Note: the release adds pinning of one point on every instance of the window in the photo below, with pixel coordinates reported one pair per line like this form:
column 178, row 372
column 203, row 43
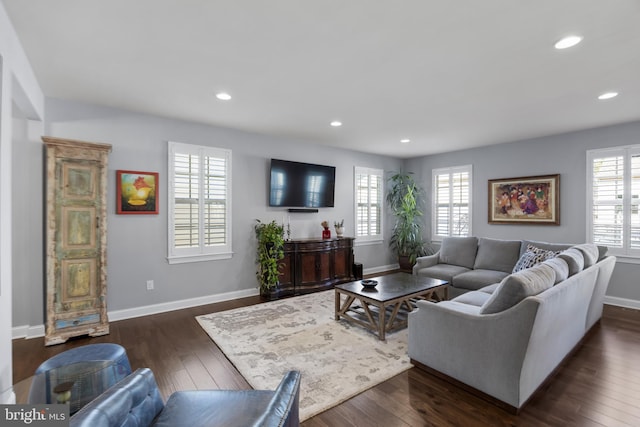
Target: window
column 199, row 203
column 368, row 197
column 613, row 194
column 451, row 209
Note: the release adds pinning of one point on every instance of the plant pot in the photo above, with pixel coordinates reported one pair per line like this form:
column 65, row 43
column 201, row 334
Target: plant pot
column 405, row 264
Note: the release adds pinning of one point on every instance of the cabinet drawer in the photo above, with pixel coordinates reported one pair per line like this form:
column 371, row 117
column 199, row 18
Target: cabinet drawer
column 77, row 321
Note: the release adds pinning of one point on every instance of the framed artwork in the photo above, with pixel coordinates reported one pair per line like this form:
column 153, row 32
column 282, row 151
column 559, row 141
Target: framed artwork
column 526, row 200
column 136, row 192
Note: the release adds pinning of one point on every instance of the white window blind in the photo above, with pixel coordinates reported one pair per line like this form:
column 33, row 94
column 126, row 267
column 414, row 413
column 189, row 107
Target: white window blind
column 451, row 204
column 199, row 203
column 612, row 199
column 368, row 197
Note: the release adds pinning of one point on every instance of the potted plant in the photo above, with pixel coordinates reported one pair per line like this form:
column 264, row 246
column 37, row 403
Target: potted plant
column 405, row 198
column 269, row 253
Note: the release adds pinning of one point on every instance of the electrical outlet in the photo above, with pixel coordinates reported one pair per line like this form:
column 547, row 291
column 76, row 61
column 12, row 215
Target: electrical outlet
column 149, row 285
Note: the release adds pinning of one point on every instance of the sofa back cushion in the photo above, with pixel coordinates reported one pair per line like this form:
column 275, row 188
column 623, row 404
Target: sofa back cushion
column 494, row 254
column 560, row 267
column 518, row 286
column 134, row 402
column 459, row 251
column 590, row 253
column 574, row 260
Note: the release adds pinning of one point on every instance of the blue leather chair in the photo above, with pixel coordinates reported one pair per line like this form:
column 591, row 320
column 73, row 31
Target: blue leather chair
column 136, row 402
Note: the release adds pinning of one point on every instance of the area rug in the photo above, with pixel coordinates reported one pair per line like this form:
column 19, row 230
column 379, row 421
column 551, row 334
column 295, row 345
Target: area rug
column 337, row 360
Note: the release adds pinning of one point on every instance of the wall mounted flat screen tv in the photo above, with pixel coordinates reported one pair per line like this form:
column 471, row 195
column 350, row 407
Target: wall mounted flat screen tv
column 301, row 185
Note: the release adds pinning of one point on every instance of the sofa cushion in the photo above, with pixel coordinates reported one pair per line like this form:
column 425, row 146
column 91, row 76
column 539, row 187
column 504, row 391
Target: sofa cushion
column 442, row 271
column 477, row 279
column 574, row 260
column 476, row 298
column 489, row 289
column 532, row 256
column 494, row 254
column 590, row 253
column 560, row 267
column 518, row 286
column 459, row 251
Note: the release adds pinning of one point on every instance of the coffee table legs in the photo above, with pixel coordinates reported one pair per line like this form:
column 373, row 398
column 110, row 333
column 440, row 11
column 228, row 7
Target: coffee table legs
column 377, row 323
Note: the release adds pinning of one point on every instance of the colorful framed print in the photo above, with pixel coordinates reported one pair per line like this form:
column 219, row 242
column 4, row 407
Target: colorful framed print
column 137, row 192
column 526, row 200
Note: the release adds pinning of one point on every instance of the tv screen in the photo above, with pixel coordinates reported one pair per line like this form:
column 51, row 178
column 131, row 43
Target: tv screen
column 301, row 185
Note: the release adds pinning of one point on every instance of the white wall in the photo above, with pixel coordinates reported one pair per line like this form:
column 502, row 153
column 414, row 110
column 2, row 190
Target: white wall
column 564, row 154
column 19, row 88
column 137, row 244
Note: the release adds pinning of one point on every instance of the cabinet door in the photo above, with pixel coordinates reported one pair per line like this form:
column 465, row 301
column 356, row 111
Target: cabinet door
column 78, row 243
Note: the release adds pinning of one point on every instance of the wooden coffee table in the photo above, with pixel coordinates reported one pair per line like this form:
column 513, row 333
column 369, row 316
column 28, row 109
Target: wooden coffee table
column 385, row 307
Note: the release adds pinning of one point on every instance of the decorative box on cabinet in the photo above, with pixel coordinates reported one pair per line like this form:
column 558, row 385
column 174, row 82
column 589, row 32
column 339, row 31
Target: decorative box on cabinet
column 311, row 265
column 76, row 239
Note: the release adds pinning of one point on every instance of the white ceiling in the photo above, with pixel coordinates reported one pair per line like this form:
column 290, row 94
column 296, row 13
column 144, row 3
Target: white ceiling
column 448, row 74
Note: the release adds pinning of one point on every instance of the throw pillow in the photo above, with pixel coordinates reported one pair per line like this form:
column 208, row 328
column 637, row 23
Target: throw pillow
column 532, row 256
column 518, row 286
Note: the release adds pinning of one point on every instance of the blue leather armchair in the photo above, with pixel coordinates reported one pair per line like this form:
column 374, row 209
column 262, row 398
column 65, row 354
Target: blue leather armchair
column 136, row 402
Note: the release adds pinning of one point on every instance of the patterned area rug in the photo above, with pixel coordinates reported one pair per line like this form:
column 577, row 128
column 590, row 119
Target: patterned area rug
column 337, row 360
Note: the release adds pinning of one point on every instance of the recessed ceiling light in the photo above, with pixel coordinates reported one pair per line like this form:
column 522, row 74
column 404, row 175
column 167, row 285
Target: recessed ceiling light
column 405, row 141
column 223, row 96
column 336, row 123
column 608, row 95
column 567, row 42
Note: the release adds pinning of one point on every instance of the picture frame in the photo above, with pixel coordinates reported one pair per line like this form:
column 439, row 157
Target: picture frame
column 525, row 200
column 136, row 192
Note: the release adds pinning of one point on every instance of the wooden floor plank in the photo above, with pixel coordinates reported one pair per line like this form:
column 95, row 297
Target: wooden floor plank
column 598, row 386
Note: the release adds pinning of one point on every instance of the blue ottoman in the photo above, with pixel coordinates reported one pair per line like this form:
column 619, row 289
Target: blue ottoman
column 90, row 369
column 90, row 352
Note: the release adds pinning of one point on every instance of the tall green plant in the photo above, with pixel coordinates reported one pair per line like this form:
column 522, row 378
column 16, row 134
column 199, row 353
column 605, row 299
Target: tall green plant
column 270, row 252
column 404, row 198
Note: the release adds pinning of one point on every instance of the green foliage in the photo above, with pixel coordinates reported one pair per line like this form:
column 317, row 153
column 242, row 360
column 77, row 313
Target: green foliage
column 405, row 198
column 270, row 252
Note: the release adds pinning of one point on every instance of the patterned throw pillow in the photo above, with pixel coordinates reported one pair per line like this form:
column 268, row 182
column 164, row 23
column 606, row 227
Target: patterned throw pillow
column 532, row 256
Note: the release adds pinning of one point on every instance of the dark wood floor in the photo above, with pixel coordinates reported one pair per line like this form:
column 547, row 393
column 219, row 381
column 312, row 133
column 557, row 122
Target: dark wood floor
column 598, row 386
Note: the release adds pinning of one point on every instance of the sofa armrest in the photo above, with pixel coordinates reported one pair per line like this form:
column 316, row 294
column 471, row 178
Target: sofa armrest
column 426, row 261
column 484, row 351
column 284, row 408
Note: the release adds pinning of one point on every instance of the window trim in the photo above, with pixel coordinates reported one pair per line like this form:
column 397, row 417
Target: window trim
column 202, row 252
column 449, row 170
column 371, row 238
column 624, row 254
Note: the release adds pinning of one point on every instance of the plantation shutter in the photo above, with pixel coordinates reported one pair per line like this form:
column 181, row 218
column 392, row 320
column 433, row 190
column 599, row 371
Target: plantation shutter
column 451, row 210
column 613, row 217
column 368, row 196
column 200, row 221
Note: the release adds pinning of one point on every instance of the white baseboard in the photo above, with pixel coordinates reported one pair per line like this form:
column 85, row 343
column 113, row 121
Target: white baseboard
column 130, row 313
column 622, row 302
column 381, row 269
column 146, row 310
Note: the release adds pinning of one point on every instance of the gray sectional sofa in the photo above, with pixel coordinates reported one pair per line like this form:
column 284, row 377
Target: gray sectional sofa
column 506, row 332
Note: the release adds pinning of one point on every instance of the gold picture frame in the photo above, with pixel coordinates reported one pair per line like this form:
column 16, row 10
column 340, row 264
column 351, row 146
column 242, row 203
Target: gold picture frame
column 525, row 200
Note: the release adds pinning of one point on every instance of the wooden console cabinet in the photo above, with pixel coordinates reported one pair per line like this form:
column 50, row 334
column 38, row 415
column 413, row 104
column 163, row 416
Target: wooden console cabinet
column 312, row 265
column 76, row 227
